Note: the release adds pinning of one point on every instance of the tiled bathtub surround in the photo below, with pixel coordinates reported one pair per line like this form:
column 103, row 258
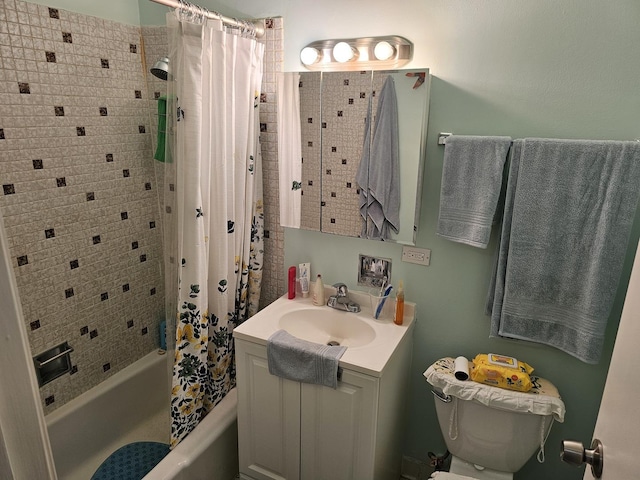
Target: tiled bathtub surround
column 79, row 192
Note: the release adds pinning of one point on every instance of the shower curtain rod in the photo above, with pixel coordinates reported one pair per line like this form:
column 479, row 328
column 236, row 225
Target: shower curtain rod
column 234, row 22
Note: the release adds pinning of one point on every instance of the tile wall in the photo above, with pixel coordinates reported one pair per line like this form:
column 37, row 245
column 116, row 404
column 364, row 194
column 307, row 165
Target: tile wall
column 80, row 190
column 311, row 148
column 333, row 113
column 273, row 276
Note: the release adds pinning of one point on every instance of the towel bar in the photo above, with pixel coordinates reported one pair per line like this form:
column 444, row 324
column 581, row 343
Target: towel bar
column 442, row 138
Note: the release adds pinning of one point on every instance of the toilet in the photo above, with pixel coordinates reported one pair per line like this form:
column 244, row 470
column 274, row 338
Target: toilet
column 491, row 432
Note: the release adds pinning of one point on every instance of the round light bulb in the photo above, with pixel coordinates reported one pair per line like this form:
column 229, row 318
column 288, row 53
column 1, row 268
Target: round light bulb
column 309, row 55
column 342, row 52
column 384, row 50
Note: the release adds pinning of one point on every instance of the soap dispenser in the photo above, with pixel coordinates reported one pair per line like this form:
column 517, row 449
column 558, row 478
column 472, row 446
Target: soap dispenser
column 399, row 315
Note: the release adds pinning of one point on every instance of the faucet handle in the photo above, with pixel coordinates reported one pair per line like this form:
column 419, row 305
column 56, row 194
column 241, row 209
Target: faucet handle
column 341, row 289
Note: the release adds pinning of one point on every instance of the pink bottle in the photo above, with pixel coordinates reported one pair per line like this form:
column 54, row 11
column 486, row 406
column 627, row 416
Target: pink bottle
column 292, row 283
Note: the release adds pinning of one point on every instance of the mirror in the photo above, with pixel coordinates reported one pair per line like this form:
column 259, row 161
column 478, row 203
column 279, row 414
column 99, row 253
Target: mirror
column 333, row 114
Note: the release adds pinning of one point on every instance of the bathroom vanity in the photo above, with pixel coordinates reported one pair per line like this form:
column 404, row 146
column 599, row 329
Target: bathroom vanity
column 292, row 430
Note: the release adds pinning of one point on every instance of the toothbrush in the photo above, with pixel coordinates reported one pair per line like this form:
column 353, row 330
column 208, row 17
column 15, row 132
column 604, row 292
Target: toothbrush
column 383, row 285
column 384, row 299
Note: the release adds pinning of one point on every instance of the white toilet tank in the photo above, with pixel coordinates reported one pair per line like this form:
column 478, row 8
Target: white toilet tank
column 489, row 426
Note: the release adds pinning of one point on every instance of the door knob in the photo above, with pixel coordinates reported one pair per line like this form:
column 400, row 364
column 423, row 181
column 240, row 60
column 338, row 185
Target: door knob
column 575, row 454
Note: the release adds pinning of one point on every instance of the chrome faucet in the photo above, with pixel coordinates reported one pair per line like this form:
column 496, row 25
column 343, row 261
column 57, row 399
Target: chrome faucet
column 340, row 300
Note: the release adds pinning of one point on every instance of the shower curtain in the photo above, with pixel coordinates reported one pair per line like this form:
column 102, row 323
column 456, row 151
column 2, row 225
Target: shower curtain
column 213, row 206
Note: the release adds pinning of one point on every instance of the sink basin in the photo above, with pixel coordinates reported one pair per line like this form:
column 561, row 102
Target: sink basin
column 324, row 325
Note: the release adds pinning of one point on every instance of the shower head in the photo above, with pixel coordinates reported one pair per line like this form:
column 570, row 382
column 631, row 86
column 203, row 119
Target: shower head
column 160, row 69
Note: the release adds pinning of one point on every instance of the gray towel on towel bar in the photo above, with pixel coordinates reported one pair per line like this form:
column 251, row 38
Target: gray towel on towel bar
column 471, row 184
column 303, row 361
column 568, row 214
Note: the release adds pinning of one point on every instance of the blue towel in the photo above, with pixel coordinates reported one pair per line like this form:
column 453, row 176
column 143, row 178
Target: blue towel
column 378, row 174
column 471, row 184
column 569, row 209
column 303, row 361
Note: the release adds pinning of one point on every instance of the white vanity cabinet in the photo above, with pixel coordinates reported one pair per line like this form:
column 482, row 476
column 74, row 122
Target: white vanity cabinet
column 290, row 430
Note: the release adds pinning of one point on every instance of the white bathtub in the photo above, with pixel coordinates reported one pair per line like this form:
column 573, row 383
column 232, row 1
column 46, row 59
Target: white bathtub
column 133, row 405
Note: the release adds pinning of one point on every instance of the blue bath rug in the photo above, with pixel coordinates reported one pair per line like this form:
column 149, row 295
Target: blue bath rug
column 131, row 462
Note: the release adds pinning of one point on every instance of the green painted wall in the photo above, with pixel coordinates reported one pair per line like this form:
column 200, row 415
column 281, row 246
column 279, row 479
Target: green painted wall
column 519, row 68
column 549, row 68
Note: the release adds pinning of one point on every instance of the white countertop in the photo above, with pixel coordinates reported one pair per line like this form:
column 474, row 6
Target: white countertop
column 370, row 359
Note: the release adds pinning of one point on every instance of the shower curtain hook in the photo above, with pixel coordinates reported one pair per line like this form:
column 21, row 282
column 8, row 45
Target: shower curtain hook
column 200, row 14
column 193, row 14
column 205, row 14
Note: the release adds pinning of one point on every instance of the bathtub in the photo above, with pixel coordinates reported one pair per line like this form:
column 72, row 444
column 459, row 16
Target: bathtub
column 133, row 405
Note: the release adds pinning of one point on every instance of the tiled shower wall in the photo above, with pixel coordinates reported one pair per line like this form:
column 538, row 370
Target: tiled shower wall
column 79, row 196
column 273, row 284
column 80, row 190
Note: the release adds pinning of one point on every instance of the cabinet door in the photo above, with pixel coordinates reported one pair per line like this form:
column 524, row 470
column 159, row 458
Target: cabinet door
column 268, row 418
column 338, row 429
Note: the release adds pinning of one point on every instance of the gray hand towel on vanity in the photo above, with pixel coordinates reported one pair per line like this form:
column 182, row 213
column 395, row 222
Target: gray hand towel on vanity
column 303, row 361
column 568, row 214
column 471, row 184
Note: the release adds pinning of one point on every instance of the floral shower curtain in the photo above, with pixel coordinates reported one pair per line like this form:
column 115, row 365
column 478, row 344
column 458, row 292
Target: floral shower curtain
column 214, row 207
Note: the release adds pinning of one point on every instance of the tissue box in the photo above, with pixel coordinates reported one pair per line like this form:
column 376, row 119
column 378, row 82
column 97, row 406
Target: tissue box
column 501, row 371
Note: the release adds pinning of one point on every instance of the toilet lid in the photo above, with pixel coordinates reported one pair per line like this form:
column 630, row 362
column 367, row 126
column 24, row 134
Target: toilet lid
column 542, row 399
column 449, row 476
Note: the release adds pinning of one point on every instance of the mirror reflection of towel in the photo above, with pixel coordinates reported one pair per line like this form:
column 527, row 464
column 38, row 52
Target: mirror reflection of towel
column 379, row 173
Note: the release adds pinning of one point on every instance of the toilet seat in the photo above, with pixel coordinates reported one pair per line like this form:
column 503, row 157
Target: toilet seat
column 449, row 476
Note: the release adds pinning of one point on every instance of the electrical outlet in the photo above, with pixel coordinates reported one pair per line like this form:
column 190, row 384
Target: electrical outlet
column 420, row 256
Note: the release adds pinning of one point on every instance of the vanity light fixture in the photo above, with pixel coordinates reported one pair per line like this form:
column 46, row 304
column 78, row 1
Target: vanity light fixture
column 343, row 52
column 309, row 55
column 383, row 50
column 369, row 53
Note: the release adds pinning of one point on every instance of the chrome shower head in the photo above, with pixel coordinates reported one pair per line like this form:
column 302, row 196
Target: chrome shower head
column 161, row 68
